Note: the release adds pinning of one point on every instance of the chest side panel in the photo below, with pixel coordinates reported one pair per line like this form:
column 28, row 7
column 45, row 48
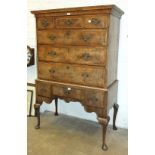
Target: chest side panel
column 112, row 53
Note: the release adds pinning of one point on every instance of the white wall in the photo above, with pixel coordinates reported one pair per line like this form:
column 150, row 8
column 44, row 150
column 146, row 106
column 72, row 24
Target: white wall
column 75, row 109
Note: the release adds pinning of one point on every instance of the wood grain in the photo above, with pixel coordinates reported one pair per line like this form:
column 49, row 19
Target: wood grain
column 73, row 37
column 86, row 75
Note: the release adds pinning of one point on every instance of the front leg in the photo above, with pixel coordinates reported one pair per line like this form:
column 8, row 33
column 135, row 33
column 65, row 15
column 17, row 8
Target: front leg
column 56, row 106
column 115, row 106
column 37, row 110
column 104, row 122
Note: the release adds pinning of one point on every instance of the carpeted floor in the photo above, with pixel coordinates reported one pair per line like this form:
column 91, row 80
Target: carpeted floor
column 65, row 135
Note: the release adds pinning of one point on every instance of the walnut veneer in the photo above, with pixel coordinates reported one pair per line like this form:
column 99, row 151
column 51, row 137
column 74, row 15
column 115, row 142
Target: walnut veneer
column 77, row 59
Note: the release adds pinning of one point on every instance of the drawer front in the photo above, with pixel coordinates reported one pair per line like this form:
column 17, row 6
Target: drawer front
column 40, row 99
column 44, row 89
column 50, row 53
column 95, row 98
column 45, row 22
column 85, row 75
column 73, row 37
column 69, row 22
column 96, row 21
column 86, row 55
column 79, row 55
column 69, row 92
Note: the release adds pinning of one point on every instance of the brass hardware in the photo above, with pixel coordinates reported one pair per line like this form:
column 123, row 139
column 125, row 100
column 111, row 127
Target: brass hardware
column 68, row 22
column 67, row 67
column 93, row 99
column 44, row 23
column 68, row 13
column 85, row 38
column 86, row 56
column 51, row 70
column 67, row 91
column 95, row 21
column 85, row 75
column 52, row 37
column 68, row 33
column 52, row 53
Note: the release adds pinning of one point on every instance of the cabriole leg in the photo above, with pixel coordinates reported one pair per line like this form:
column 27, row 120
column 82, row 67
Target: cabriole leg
column 104, row 146
column 37, row 110
column 56, row 106
column 104, row 122
column 115, row 107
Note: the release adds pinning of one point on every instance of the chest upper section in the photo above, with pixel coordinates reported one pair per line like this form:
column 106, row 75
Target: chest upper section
column 85, row 26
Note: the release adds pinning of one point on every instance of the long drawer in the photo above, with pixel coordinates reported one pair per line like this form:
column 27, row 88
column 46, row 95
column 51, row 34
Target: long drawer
column 84, row 75
column 79, row 55
column 94, row 37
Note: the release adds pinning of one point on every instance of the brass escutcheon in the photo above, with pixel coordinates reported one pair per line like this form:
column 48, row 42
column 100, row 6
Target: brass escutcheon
column 44, row 23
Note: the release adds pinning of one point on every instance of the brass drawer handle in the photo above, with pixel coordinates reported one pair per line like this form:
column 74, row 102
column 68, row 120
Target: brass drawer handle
column 51, row 70
column 95, row 21
column 85, row 38
column 52, row 37
column 67, row 91
column 52, row 53
column 86, row 56
column 68, row 22
column 67, row 67
column 68, row 34
column 85, row 75
column 44, row 23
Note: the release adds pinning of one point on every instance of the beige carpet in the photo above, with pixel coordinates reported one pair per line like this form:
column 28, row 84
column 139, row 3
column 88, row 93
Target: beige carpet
column 65, row 135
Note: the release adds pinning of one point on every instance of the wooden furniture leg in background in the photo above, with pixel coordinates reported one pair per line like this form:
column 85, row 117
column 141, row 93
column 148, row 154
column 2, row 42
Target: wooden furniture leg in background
column 37, row 110
column 56, row 106
column 115, row 107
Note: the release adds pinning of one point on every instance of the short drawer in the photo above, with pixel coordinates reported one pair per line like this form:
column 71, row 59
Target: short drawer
column 92, row 37
column 96, row 21
column 95, row 98
column 45, row 22
column 43, row 89
column 68, row 92
column 69, row 22
column 85, row 75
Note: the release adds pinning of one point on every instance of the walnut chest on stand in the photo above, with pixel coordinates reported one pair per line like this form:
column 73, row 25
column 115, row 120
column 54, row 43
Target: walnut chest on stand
column 77, row 52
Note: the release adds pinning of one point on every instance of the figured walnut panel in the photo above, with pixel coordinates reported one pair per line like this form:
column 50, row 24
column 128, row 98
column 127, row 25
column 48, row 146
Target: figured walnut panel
column 73, row 37
column 68, row 92
column 50, row 53
column 96, row 21
column 45, row 22
column 87, row 55
column 85, row 75
column 78, row 55
column 95, row 98
column 44, row 89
